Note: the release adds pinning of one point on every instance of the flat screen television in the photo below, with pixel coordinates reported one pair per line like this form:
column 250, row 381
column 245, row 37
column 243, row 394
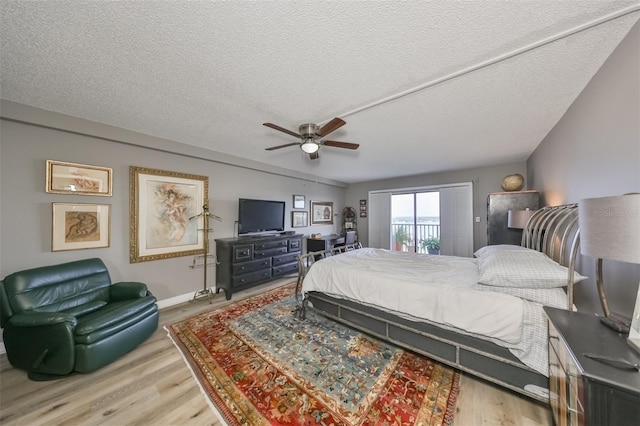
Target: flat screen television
column 256, row 216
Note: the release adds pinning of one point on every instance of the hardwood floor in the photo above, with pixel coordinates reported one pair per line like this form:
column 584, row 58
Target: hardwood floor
column 153, row 386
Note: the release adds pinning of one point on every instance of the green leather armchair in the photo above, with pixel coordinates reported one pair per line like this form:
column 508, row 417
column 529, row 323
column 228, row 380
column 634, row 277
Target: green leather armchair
column 69, row 318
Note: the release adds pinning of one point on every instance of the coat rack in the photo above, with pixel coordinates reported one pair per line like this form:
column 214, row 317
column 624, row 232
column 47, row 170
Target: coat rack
column 206, row 291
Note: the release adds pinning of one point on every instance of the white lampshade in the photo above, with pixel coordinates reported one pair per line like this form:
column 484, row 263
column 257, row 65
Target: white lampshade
column 610, row 227
column 518, row 218
column 309, row 146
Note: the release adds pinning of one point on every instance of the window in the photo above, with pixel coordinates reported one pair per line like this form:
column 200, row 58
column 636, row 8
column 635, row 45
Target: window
column 455, row 224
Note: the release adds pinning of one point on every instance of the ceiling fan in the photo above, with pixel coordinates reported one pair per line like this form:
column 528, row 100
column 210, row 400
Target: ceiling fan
column 311, row 137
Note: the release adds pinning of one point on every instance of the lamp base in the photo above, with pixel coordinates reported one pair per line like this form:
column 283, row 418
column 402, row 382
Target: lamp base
column 617, row 322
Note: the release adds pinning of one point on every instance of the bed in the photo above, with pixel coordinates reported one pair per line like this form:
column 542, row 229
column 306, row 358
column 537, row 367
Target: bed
column 482, row 315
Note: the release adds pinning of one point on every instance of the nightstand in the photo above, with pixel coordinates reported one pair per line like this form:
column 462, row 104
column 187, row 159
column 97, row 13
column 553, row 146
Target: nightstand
column 583, row 391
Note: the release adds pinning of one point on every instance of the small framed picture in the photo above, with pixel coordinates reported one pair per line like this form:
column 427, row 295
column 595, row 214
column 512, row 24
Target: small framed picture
column 80, row 226
column 79, row 179
column 363, row 208
column 298, row 219
column 363, row 214
column 321, row 213
column 363, row 202
column 298, row 201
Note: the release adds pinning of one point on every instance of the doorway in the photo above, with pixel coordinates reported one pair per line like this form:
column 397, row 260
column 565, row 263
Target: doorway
column 415, row 221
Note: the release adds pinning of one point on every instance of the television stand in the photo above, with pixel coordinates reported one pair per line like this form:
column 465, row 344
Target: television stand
column 250, row 260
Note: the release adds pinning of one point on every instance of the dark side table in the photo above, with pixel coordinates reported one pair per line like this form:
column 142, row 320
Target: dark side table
column 583, row 391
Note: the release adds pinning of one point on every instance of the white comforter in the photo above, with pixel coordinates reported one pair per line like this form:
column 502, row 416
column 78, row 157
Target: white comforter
column 438, row 289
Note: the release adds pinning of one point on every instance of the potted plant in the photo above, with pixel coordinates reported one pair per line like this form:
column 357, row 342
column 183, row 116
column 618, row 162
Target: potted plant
column 431, row 244
column 402, row 237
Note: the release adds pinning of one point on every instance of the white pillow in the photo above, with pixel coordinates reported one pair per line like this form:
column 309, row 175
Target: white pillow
column 498, row 249
column 523, row 269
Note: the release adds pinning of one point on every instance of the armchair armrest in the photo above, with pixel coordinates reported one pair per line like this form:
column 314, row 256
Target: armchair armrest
column 128, row 290
column 38, row 319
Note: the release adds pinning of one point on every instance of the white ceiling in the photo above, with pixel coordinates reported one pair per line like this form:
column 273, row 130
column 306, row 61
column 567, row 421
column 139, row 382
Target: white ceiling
column 209, row 73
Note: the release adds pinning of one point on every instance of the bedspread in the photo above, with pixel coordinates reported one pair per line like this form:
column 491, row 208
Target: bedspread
column 443, row 290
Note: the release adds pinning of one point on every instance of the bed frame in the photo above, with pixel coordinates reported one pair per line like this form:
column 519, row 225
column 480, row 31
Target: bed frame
column 551, row 230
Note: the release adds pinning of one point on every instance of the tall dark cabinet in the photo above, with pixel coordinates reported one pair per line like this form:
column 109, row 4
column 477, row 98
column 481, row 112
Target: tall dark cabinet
column 498, row 206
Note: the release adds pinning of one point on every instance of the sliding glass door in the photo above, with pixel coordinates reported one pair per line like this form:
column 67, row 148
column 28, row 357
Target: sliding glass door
column 419, row 219
column 415, row 221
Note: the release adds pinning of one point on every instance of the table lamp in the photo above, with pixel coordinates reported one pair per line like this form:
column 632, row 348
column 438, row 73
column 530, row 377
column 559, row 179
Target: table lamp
column 518, row 219
column 610, row 229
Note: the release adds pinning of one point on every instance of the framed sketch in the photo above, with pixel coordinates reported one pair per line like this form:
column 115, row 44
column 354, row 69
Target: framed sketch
column 321, row 213
column 298, row 219
column 79, row 179
column 298, row 201
column 80, row 226
column 363, row 208
column 363, row 214
column 363, row 202
column 165, row 214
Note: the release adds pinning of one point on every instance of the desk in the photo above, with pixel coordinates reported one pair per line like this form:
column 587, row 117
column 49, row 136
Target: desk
column 325, row 242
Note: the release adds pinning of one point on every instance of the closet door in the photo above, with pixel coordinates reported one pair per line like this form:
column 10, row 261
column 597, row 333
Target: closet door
column 456, row 221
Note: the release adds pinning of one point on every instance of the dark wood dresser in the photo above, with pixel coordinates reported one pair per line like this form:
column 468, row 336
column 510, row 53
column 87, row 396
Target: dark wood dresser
column 247, row 261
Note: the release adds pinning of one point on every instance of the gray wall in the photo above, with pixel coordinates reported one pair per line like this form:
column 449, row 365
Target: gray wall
column 594, row 151
column 26, row 211
column 485, row 180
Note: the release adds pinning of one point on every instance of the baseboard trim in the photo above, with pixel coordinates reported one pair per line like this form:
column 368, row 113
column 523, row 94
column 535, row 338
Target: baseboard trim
column 176, row 300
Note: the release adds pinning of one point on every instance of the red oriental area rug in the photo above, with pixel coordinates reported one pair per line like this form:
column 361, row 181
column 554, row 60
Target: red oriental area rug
column 261, row 365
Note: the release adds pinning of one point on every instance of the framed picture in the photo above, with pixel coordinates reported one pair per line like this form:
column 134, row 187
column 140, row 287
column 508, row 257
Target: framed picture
column 363, row 214
column 80, row 226
column 298, row 219
column 321, row 213
column 80, row 179
column 363, row 202
column 165, row 214
column 298, row 201
column 363, row 208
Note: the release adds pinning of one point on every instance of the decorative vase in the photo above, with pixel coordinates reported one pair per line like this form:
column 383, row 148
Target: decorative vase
column 513, row 182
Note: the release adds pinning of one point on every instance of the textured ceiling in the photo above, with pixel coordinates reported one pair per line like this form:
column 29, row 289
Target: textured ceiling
column 423, row 86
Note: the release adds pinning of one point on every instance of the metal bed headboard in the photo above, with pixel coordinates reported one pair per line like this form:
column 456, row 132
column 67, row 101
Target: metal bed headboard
column 551, row 230
column 554, row 231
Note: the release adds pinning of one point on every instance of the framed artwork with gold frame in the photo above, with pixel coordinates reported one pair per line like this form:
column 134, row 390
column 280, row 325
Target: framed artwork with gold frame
column 80, row 226
column 78, row 179
column 165, row 214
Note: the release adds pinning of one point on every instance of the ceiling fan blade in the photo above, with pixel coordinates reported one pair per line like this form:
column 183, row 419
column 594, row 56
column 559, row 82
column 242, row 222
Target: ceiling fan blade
column 338, row 144
column 314, row 155
column 282, row 129
column 281, row 146
column 331, row 126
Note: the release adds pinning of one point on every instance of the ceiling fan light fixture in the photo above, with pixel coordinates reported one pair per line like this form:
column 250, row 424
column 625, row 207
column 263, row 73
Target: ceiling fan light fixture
column 310, row 146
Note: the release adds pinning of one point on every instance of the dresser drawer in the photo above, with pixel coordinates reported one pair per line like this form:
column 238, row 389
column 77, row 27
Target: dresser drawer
column 285, row 269
column 254, row 265
column 242, row 253
column 295, row 245
column 284, row 259
column 270, row 245
column 565, row 383
column 269, row 252
column 251, row 277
